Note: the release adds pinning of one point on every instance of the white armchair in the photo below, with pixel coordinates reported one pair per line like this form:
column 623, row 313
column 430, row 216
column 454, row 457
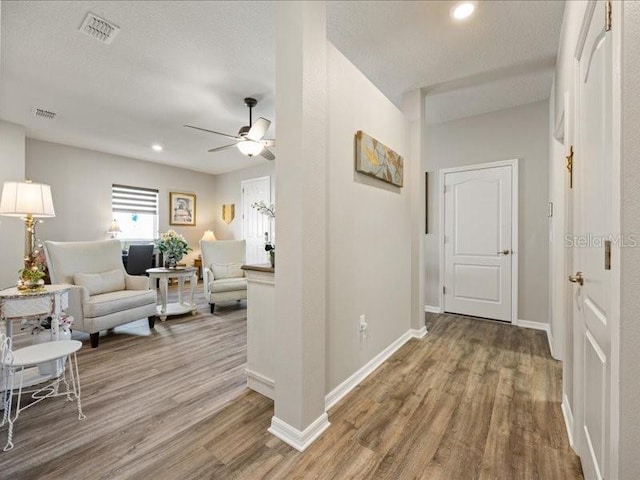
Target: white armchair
column 224, row 280
column 103, row 295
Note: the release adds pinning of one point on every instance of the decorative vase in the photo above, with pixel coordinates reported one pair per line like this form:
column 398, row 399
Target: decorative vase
column 54, row 367
column 171, row 261
column 30, row 284
column 272, row 258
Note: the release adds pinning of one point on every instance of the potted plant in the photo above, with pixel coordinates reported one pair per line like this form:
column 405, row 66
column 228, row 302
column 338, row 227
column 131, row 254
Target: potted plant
column 173, row 247
column 31, row 276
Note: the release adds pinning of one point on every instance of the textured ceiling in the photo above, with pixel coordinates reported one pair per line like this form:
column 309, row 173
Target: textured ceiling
column 401, row 46
column 171, row 63
column 193, row 62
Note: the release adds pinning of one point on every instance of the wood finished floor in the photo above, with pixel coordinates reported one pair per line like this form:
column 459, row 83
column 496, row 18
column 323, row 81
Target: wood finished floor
column 474, row 399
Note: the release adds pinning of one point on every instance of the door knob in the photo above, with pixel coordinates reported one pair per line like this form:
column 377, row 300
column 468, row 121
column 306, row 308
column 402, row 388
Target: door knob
column 504, row 252
column 577, row 278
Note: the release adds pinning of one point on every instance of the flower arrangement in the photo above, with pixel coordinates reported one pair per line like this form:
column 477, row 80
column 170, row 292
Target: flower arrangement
column 173, row 247
column 269, row 211
column 34, row 274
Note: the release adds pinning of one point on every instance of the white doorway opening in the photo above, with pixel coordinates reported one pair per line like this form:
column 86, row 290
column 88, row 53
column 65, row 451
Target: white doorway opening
column 479, row 245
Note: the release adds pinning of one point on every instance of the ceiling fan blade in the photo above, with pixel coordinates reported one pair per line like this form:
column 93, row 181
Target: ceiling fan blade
column 217, row 149
column 213, row 131
column 258, row 129
column 266, row 153
column 270, row 142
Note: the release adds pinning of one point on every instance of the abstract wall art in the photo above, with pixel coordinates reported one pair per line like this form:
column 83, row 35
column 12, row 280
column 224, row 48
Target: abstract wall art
column 375, row 159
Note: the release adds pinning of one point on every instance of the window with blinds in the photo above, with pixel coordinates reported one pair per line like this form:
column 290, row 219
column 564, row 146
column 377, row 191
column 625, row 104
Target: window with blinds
column 135, row 210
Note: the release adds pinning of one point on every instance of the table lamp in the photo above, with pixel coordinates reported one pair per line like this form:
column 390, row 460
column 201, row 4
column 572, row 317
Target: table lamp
column 208, row 236
column 28, row 201
column 114, row 229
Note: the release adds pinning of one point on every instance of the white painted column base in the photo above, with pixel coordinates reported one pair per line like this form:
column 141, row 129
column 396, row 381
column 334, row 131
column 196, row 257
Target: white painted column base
column 300, row 440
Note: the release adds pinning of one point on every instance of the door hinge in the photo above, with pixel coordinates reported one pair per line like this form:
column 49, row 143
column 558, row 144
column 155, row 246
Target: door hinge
column 550, row 209
column 607, row 13
column 607, row 254
column 570, row 166
column 444, row 290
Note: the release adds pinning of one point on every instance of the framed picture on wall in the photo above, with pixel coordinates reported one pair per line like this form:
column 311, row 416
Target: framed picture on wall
column 182, row 209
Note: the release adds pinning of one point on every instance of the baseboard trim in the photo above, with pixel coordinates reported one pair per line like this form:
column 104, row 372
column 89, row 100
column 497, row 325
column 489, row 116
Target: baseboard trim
column 432, row 309
column 261, row 384
column 418, row 332
column 568, row 418
column 338, row 393
column 300, row 440
column 532, row 325
column 551, row 343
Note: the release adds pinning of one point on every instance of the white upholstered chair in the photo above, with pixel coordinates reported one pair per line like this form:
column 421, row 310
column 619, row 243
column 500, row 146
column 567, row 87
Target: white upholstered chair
column 104, row 295
column 224, row 280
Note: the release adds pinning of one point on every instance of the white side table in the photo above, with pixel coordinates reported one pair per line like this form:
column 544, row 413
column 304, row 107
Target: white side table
column 18, row 304
column 181, row 307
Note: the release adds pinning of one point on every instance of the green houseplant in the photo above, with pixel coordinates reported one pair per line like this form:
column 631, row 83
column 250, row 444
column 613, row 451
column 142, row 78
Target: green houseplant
column 173, row 247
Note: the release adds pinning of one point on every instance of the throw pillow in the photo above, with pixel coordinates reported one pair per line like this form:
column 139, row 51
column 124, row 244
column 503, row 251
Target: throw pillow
column 97, row 283
column 227, row 270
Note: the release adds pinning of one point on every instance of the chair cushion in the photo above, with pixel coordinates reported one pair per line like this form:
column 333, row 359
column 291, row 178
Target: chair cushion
column 227, row 270
column 228, row 285
column 104, row 282
column 112, row 302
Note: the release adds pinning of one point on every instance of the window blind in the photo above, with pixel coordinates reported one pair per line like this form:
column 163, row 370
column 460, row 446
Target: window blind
column 134, row 199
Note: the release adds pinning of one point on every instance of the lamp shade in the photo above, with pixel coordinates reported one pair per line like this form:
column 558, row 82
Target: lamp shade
column 208, row 236
column 250, row 148
column 20, row 199
column 114, row 227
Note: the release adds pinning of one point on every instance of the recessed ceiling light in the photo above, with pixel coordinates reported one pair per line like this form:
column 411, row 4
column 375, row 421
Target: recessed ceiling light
column 463, row 10
column 156, row 147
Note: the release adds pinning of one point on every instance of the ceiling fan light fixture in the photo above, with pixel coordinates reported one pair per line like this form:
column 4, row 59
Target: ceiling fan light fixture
column 463, row 10
column 250, row 148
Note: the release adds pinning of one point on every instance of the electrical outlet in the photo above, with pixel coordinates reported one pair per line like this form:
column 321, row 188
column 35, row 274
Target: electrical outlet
column 363, row 323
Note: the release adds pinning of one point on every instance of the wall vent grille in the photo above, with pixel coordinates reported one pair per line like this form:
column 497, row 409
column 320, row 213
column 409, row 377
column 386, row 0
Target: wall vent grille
column 99, row 28
column 42, row 113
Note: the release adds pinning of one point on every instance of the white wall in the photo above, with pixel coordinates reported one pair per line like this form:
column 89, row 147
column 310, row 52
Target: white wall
column 520, row 132
column 629, row 461
column 227, row 190
column 81, row 183
column 369, row 225
column 571, row 22
column 12, row 231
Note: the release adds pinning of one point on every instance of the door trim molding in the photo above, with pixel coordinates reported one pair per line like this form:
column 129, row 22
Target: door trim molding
column 513, row 163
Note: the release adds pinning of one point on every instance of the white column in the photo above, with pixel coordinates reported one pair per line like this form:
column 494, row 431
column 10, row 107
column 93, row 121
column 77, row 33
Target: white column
column 12, row 168
column 301, row 206
column 413, row 108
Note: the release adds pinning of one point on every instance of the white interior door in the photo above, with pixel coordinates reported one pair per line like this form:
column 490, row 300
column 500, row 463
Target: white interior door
column 593, row 211
column 256, row 227
column 478, row 239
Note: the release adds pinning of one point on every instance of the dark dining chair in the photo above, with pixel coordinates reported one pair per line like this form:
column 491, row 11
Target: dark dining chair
column 140, row 258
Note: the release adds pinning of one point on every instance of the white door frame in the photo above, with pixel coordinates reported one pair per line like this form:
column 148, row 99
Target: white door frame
column 514, row 230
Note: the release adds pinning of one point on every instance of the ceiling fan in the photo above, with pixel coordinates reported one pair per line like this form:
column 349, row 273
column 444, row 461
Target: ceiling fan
column 250, row 139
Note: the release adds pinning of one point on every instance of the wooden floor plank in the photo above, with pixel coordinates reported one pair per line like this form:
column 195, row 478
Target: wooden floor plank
column 474, row 399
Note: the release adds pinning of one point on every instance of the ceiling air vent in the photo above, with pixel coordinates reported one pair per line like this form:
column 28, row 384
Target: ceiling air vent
column 41, row 113
column 99, row 28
